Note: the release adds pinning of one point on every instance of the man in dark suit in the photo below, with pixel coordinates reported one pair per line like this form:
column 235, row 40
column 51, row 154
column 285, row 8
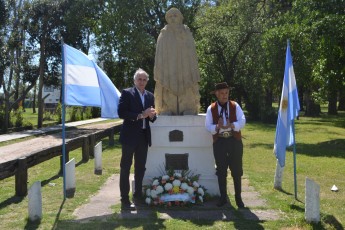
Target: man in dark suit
column 136, row 108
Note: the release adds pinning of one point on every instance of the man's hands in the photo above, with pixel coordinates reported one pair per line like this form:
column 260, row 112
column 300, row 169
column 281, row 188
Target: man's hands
column 221, row 125
column 149, row 112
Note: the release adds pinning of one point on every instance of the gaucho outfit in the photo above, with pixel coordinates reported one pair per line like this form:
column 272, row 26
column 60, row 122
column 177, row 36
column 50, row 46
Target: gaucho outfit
column 227, row 146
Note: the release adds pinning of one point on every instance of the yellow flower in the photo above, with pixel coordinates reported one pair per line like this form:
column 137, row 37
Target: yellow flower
column 176, row 189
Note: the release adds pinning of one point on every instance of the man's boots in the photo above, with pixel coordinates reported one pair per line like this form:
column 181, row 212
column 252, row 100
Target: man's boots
column 238, row 190
column 223, row 191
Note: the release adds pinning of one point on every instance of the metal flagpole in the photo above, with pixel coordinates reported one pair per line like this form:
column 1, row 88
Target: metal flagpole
column 294, row 158
column 63, row 121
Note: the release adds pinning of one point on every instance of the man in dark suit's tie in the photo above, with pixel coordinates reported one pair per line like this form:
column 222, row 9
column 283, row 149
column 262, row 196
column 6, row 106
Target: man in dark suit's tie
column 136, row 108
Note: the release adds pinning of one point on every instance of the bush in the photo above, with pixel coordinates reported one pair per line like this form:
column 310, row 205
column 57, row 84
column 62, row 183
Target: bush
column 58, row 112
column 88, row 113
column 48, row 116
column 96, row 112
column 28, row 125
column 75, row 113
column 2, row 117
column 18, row 116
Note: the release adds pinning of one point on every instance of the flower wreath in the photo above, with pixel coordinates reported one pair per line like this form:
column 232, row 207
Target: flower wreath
column 175, row 188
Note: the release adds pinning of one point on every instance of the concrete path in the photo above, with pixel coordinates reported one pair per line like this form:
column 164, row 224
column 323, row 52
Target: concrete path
column 99, row 207
column 33, row 132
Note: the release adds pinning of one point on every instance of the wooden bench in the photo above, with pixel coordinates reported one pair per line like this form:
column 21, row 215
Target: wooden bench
column 17, row 158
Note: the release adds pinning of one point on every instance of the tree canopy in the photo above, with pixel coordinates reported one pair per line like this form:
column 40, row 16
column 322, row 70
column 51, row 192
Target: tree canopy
column 242, row 42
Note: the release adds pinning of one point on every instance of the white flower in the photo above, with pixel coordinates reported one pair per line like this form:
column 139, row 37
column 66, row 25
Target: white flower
column 184, row 186
column 201, row 199
column 165, row 177
column 148, row 192
column 190, row 190
column 148, row 200
column 153, row 194
column 176, row 183
column 195, row 184
column 168, row 186
column 159, row 189
column 155, row 182
column 201, row 191
column 178, row 175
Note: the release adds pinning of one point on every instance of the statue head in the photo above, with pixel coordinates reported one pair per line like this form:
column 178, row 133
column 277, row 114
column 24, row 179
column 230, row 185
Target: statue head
column 174, row 16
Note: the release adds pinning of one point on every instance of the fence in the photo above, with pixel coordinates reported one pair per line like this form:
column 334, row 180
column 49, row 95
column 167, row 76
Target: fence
column 86, row 138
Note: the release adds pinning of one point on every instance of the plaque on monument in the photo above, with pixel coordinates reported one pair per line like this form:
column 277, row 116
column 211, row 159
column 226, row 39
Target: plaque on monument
column 176, row 161
column 175, row 135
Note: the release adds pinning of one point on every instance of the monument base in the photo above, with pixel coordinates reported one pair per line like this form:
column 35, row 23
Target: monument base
column 185, row 135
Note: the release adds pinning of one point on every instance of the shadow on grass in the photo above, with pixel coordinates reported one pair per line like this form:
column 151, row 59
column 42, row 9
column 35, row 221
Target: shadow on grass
column 11, row 200
column 283, row 191
column 324, row 119
column 35, row 224
column 45, row 182
column 332, row 221
column 151, row 218
column 32, row 224
column 331, row 148
column 297, row 208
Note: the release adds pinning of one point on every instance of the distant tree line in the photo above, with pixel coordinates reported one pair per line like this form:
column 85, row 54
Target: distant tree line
column 242, row 42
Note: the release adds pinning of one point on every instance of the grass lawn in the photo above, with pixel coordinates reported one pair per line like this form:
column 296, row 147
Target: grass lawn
column 320, row 157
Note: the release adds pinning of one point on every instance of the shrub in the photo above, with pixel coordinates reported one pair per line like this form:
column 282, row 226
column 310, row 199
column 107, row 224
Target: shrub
column 75, row 113
column 28, row 125
column 87, row 113
column 58, row 112
column 96, row 112
column 18, row 117
column 48, row 116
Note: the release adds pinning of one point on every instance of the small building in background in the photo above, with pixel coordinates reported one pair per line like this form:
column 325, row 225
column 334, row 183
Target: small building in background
column 51, row 96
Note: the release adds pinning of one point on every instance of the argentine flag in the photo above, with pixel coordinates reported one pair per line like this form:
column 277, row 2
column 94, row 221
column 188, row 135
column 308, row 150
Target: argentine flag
column 288, row 111
column 87, row 85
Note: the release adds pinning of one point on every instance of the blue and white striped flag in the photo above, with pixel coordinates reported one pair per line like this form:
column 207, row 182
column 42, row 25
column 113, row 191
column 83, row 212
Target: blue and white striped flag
column 87, row 85
column 288, row 111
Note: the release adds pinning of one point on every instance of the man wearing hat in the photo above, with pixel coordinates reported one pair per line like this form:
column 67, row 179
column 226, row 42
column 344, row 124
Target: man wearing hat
column 224, row 120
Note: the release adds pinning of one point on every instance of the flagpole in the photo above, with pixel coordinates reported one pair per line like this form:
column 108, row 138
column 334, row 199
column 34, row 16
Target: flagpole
column 63, row 121
column 294, row 159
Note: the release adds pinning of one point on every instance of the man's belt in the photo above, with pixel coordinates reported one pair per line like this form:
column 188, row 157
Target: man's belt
column 225, row 134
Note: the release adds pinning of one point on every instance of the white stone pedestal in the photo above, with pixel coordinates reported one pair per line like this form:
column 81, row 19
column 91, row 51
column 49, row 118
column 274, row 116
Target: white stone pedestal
column 196, row 141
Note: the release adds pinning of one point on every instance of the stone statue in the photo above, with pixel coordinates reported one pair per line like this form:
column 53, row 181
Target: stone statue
column 176, row 69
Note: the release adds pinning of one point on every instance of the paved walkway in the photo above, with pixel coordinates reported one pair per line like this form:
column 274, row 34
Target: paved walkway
column 99, row 207
column 33, row 132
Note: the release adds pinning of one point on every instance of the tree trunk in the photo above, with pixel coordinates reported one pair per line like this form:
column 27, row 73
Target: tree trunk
column 34, row 99
column 332, row 97
column 17, row 79
column 40, row 86
column 341, row 105
column 312, row 109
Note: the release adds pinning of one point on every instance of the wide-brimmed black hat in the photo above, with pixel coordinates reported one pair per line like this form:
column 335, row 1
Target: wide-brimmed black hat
column 218, row 86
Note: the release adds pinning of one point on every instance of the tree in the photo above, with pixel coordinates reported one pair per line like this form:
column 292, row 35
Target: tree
column 227, row 42
column 323, row 50
column 3, row 59
column 44, row 26
column 10, row 65
column 127, row 34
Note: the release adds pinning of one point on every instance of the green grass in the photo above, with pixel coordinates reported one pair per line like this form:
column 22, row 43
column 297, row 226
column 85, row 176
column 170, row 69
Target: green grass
column 29, row 116
column 320, row 156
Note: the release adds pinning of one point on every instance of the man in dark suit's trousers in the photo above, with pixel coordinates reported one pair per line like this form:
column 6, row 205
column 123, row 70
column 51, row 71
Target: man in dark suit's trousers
column 136, row 108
